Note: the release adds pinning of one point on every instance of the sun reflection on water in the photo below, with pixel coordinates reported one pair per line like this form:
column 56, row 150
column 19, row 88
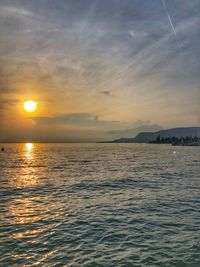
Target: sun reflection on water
column 29, row 149
column 27, row 172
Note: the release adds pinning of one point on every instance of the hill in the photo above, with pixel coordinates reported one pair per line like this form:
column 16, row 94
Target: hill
column 147, row 137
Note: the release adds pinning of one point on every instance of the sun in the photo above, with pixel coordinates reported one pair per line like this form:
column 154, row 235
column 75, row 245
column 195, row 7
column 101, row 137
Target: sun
column 30, row 105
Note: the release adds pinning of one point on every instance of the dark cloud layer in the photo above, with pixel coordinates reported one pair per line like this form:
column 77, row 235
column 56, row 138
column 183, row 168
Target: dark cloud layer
column 79, row 119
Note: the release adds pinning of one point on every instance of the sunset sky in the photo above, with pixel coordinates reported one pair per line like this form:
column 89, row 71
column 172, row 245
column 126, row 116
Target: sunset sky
column 98, row 69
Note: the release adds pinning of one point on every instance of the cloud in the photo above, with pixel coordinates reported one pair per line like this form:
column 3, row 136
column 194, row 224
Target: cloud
column 7, row 104
column 8, row 99
column 16, row 11
column 106, row 92
column 86, row 120
column 140, row 123
column 7, row 90
column 117, row 59
column 139, row 127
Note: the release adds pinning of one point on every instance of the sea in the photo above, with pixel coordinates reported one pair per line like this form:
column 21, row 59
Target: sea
column 99, row 205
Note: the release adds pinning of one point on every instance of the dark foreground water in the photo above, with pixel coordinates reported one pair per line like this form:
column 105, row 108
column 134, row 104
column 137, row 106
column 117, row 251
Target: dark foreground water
column 99, row 205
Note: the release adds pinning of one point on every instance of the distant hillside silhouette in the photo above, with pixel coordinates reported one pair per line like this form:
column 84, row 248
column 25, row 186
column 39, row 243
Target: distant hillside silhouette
column 148, row 137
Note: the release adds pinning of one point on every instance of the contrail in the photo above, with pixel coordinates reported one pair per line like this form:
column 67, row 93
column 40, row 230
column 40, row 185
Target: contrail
column 172, row 25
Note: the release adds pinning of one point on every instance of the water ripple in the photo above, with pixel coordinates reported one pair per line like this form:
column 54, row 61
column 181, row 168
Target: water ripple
column 99, row 205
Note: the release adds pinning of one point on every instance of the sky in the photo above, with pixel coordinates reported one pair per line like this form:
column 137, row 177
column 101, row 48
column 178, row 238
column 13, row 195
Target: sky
column 98, row 69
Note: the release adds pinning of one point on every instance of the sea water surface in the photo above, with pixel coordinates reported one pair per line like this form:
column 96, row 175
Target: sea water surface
column 99, row 205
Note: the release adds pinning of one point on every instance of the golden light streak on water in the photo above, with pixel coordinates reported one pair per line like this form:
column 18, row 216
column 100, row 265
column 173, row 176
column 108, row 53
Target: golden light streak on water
column 29, row 149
